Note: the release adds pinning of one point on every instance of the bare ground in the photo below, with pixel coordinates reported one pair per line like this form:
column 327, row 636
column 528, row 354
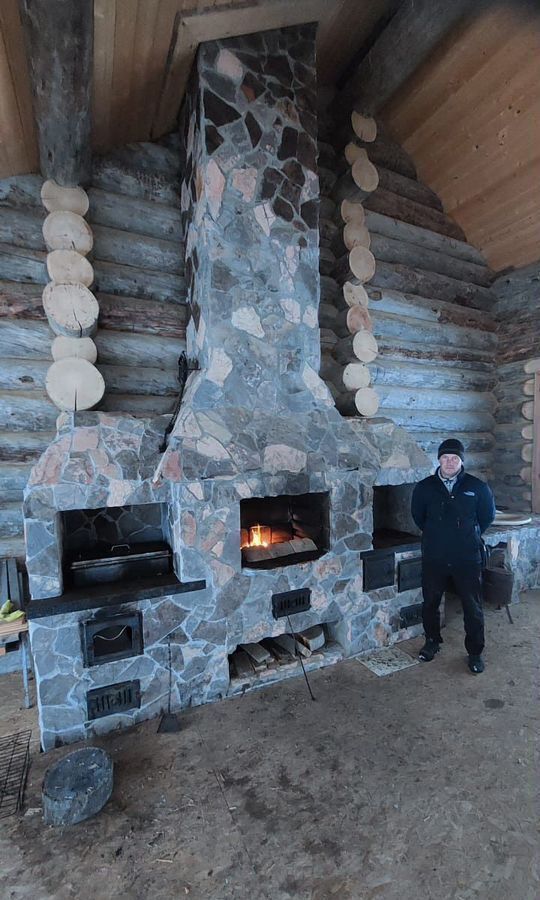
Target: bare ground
column 419, row 784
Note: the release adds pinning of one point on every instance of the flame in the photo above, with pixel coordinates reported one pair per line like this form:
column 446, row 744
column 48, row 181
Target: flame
column 256, row 536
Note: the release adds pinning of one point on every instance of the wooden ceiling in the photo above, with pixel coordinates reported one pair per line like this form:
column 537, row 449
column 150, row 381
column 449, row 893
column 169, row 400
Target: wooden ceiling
column 469, row 116
column 470, row 119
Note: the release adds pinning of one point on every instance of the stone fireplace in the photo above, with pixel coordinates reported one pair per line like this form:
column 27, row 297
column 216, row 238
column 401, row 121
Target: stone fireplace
column 264, row 493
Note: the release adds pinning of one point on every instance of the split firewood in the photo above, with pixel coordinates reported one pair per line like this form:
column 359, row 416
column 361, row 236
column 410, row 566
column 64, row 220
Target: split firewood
column 63, row 230
column 68, row 199
column 71, row 309
column 74, row 384
column 69, row 267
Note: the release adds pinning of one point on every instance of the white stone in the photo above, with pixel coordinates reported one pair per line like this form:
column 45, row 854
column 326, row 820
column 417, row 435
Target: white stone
column 220, row 367
column 281, row 458
column 229, row 65
column 214, row 181
column 291, row 309
column 311, row 317
column 316, row 385
column 246, row 319
column 264, row 217
column 208, row 446
column 245, row 181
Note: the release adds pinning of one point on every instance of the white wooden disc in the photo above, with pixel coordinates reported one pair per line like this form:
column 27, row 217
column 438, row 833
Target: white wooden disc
column 355, row 235
column 526, row 474
column 71, row 199
column 81, row 348
column 366, row 401
column 527, row 452
column 74, row 384
column 365, row 127
column 364, row 173
column 352, row 211
column 69, row 267
column 365, row 346
column 362, row 263
column 356, row 375
column 527, row 410
column 67, row 231
column 355, row 294
column 71, row 309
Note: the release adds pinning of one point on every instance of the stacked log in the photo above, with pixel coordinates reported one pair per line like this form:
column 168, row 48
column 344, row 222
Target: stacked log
column 134, row 272
column 428, row 300
column 518, row 294
column 344, row 307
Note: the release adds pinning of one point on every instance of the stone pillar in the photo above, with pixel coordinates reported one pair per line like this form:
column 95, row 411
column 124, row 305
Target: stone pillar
column 250, row 209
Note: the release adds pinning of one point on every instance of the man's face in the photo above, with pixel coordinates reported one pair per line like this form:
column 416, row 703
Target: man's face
column 450, row 464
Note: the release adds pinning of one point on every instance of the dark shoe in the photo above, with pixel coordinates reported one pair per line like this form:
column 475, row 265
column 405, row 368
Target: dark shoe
column 429, row 650
column 476, row 664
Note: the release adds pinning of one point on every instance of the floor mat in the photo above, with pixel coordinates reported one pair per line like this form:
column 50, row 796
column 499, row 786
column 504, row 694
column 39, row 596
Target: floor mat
column 388, row 660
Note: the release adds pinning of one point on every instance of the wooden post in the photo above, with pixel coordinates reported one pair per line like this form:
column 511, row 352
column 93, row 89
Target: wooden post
column 536, row 447
column 60, row 51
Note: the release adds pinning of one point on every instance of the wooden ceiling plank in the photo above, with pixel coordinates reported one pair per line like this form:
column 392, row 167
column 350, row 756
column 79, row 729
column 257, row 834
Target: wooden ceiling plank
column 161, row 50
column 222, row 23
column 12, row 30
column 124, row 36
column 104, row 31
column 463, row 52
column 140, row 121
column 344, row 27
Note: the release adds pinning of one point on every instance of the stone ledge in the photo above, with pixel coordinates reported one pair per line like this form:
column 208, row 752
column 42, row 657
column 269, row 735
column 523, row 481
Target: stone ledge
column 104, row 595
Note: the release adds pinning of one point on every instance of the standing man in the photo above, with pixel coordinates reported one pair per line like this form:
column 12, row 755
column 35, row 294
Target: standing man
column 453, row 509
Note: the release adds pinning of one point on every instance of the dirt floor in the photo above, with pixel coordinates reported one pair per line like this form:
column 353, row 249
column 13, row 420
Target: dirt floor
column 421, row 784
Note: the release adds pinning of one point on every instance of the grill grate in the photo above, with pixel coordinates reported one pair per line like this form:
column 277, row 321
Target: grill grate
column 14, row 759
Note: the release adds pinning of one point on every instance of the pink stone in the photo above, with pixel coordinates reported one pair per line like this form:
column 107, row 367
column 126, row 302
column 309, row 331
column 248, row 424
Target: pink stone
column 222, row 572
column 85, row 439
column 229, row 65
column 172, row 468
column 281, row 458
column 188, row 528
column 245, row 181
column 215, row 184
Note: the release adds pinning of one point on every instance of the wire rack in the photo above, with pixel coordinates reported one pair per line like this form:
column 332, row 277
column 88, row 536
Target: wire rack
column 14, row 759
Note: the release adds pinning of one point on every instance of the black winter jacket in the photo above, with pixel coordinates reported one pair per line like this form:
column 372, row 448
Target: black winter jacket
column 452, row 524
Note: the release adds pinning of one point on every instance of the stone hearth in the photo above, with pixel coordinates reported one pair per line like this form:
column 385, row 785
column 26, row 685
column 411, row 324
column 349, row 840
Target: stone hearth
column 256, row 421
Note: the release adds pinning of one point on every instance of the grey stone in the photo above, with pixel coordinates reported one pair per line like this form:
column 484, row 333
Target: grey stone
column 77, row 787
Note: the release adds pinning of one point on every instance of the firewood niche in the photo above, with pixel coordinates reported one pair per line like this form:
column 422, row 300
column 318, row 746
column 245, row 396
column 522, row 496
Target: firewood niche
column 284, row 530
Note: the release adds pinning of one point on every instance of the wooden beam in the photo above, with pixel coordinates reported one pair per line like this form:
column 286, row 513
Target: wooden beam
column 60, row 48
column 192, row 30
column 406, row 42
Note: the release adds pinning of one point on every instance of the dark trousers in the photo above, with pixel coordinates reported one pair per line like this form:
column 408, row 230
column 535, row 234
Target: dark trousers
column 466, row 580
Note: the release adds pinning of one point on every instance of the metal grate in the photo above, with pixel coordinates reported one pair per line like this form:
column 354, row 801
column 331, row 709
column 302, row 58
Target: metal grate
column 14, row 759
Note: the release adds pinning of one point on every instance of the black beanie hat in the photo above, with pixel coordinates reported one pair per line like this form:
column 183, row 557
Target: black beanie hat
column 452, row 445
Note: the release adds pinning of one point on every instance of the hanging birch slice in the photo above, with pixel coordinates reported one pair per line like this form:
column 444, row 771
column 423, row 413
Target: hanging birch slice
column 71, row 309
column 364, row 127
column 71, row 199
column 355, row 294
column 365, row 347
column 79, row 348
column 74, row 384
column 67, row 231
column 366, row 401
column 69, row 267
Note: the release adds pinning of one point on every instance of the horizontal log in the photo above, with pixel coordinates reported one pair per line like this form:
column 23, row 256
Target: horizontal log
column 27, row 411
column 356, row 184
column 130, row 281
column 408, row 187
column 423, row 237
column 387, row 372
column 11, row 519
column 327, row 261
column 128, row 249
column 388, row 325
column 389, row 204
column 135, row 215
column 148, row 156
column 429, row 284
column 30, row 374
column 444, row 421
column 421, row 352
column 429, row 309
column 360, row 346
column 393, row 397
column 143, row 407
column 382, row 151
column 22, row 228
column 21, row 191
column 354, row 295
column 24, row 446
column 327, row 180
column 135, row 182
column 329, row 232
column 516, row 282
column 13, row 479
column 20, row 264
column 479, row 442
column 394, row 250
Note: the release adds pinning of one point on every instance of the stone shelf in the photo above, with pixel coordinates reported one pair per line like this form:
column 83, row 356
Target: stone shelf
column 105, row 595
column 331, row 653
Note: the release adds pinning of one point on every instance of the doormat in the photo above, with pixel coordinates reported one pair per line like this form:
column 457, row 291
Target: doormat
column 386, row 661
column 14, row 759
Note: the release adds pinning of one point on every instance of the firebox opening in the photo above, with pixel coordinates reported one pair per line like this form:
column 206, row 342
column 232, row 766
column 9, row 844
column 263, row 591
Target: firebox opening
column 117, row 637
column 393, row 525
column 282, row 531
column 114, row 544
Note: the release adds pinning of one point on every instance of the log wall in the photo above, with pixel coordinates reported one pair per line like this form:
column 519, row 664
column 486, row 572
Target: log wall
column 429, row 302
column 138, row 265
column 518, row 358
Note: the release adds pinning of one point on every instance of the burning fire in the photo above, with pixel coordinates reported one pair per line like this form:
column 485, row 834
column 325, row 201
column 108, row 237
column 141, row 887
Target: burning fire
column 258, row 536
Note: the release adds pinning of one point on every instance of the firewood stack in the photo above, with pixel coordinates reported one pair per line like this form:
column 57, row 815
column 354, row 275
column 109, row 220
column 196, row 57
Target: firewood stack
column 346, row 265
column 406, row 303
